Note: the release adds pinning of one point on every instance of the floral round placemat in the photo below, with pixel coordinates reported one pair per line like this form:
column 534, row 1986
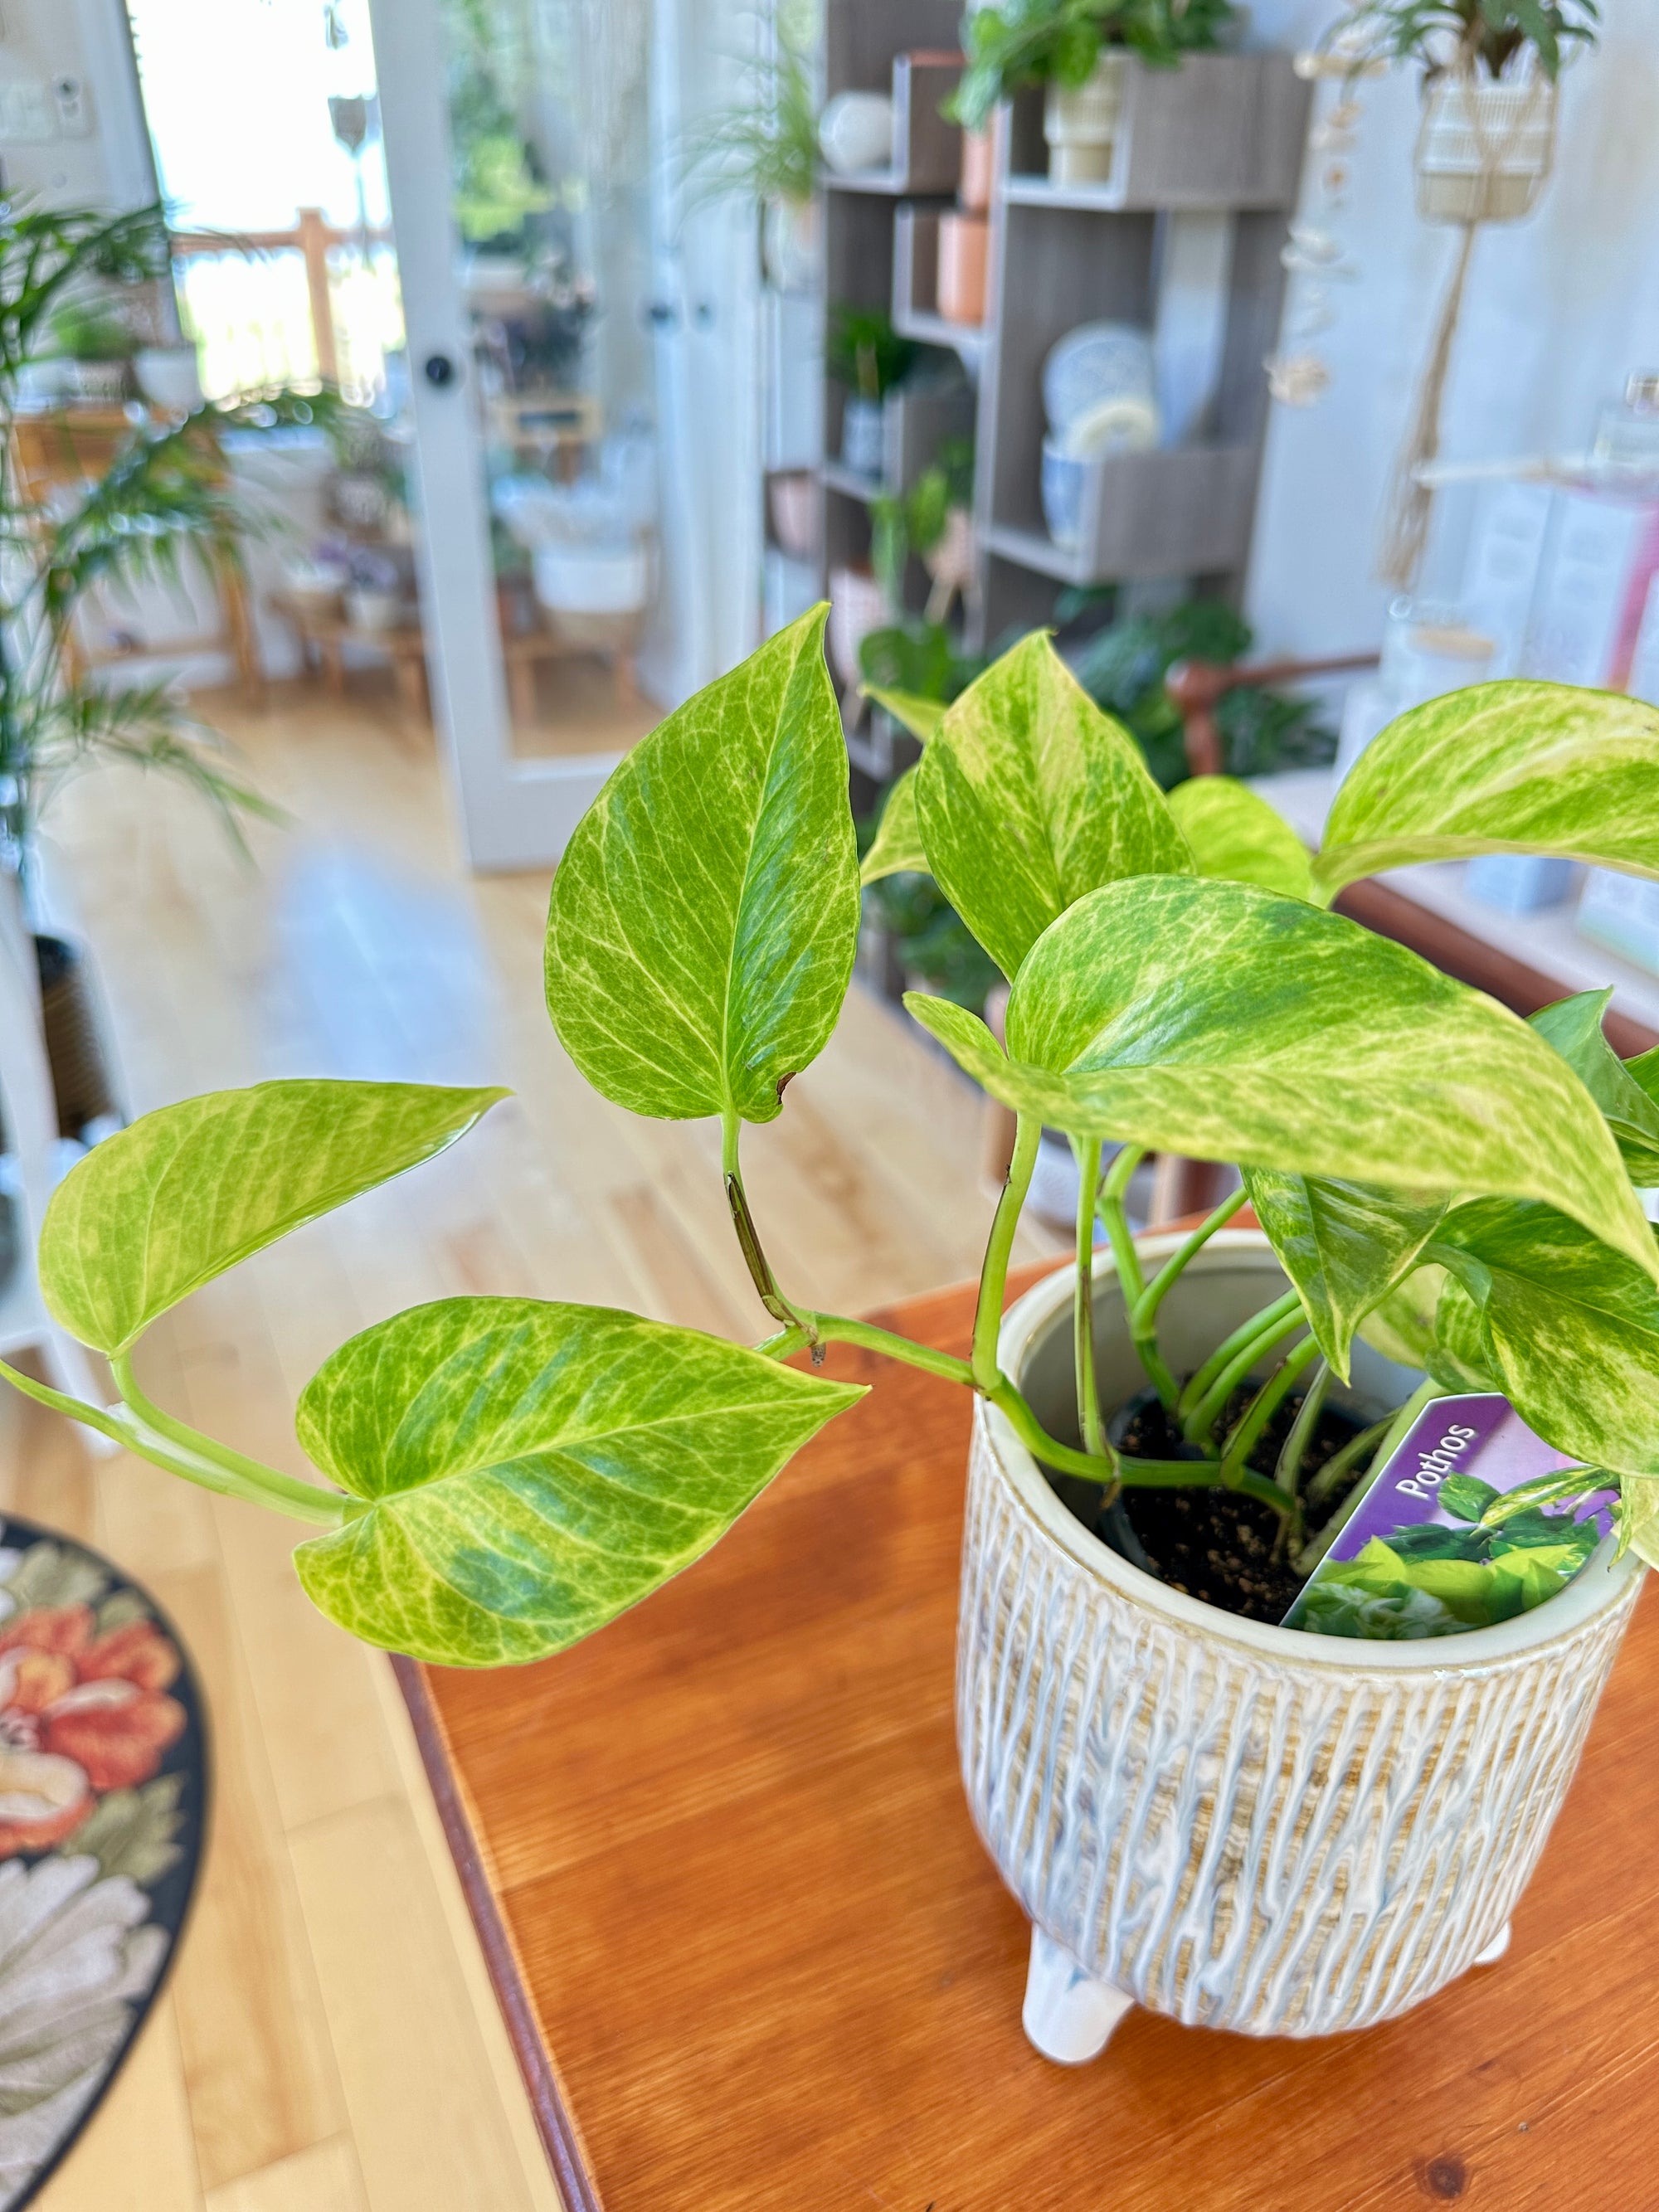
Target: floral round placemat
column 103, row 1798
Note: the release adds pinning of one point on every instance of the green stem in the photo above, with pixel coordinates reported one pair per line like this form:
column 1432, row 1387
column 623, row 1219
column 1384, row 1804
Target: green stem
column 1391, row 1432
column 1125, row 1161
column 1288, row 1473
column 1327, row 1477
column 749, row 1243
column 1145, row 1314
column 835, row 1328
column 1267, row 1401
column 1082, row 1301
column 1199, row 1474
column 994, row 1276
column 129, row 1428
column 266, row 1486
column 1049, row 1450
column 1207, row 1392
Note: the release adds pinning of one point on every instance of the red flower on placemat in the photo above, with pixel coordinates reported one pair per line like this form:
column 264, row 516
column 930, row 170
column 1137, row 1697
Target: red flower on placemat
column 80, row 1713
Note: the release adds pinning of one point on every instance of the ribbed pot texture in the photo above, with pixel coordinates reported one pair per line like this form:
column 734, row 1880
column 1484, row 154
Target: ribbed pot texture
column 1243, row 1827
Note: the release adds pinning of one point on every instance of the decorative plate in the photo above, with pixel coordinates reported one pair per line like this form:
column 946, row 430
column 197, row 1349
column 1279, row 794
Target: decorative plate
column 103, row 1799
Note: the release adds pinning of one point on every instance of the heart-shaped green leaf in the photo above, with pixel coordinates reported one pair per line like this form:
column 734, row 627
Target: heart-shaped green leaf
column 1234, row 833
column 920, row 717
column 1571, row 1328
column 161, row 1208
column 1028, row 796
column 1573, row 1026
column 1504, row 767
column 705, row 914
column 1216, row 1020
column 897, row 846
column 532, row 1470
column 1345, row 1245
column 1459, row 1358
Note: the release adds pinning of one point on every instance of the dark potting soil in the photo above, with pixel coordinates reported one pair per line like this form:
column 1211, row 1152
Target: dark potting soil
column 1211, row 1544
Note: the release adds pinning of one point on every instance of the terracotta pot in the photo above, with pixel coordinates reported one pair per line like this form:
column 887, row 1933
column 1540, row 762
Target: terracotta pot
column 1081, row 126
column 978, row 160
column 964, row 240
column 1484, row 148
column 793, row 497
column 1241, row 1826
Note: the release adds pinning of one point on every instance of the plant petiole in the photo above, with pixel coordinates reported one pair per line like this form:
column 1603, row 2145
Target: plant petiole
column 994, row 1276
column 1083, row 1303
column 1143, row 1313
column 1263, row 1407
column 1288, row 1473
column 1326, row 1479
column 1207, row 1394
column 178, row 1449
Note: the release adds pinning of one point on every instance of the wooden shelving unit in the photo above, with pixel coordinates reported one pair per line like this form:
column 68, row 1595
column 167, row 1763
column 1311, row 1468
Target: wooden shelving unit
column 1188, row 231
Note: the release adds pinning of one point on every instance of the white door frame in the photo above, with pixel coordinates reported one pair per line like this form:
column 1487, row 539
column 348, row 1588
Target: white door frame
column 514, row 813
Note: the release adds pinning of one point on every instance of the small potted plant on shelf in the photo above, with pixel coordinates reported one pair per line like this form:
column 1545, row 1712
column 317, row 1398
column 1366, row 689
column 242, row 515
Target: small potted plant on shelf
column 1490, row 69
column 1078, row 51
column 865, row 353
column 1269, row 1828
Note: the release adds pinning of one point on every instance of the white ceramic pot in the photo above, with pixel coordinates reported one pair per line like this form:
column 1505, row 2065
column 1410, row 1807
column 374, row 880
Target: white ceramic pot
column 1081, row 126
column 794, row 502
column 863, row 436
column 593, row 579
column 792, row 245
column 371, row 610
column 170, row 378
column 1241, row 1826
column 855, row 132
column 1484, row 148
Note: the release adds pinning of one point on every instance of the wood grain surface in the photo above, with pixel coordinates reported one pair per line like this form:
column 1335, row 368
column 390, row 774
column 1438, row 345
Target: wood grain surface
column 774, row 1968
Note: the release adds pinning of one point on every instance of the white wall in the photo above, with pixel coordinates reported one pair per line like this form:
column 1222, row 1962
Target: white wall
column 100, row 157
column 1559, row 309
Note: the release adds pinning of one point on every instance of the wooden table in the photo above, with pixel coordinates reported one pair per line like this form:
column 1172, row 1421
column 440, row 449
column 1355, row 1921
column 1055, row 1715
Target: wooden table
column 753, row 1956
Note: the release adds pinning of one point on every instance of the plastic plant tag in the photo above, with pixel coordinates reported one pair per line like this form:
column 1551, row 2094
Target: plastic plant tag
column 1472, row 1520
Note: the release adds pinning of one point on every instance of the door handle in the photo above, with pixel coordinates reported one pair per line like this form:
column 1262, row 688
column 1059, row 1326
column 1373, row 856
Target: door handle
column 439, row 370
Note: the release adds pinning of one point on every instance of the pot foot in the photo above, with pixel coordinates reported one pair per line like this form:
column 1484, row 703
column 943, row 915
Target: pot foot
column 1495, row 1950
column 1066, row 2016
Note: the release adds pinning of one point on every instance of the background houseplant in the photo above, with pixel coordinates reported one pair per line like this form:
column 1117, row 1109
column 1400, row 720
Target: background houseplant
column 763, row 147
column 864, row 353
column 1076, row 49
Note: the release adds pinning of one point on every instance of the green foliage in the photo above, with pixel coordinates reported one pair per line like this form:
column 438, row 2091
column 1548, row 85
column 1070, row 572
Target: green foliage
column 865, row 353
column 1024, row 42
column 1216, row 1020
column 1346, row 1246
column 1570, row 1329
column 763, row 146
column 89, row 329
column 896, row 847
column 530, row 1471
column 1122, row 668
column 1029, row 797
column 915, row 663
column 903, row 523
column 1434, row 1581
column 163, row 1207
column 705, row 915
column 1486, row 35
column 1505, row 767
column 1233, row 832
column 1573, row 1026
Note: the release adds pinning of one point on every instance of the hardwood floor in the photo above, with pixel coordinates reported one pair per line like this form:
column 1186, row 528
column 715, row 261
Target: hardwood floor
column 328, row 2042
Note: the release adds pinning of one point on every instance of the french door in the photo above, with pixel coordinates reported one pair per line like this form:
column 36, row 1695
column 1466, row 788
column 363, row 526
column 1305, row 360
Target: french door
column 581, row 393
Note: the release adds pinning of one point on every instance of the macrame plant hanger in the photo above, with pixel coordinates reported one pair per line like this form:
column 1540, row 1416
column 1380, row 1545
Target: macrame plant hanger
column 1408, row 505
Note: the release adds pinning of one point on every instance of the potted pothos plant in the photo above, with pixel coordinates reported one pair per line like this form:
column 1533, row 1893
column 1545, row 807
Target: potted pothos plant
column 1202, row 1810
column 1078, row 51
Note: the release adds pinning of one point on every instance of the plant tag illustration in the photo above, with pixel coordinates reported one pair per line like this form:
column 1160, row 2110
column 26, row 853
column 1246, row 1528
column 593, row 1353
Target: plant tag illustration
column 1471, row 1520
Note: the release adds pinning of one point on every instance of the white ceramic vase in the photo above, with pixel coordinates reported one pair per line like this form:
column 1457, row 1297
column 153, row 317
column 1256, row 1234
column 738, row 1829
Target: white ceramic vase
column 1239, row 1826
column 1081, row 126
column 1484, row 148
